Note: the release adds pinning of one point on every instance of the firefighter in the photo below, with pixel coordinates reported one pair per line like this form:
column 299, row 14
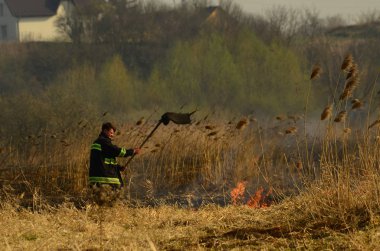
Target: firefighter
column 104, row 174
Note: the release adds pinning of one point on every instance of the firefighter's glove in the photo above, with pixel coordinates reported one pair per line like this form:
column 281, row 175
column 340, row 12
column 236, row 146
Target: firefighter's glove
column 136, row 150
column 165, row 119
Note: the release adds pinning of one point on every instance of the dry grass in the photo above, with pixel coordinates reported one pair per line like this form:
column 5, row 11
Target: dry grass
column 202, row 186
column 295, row 224
column 337, row 209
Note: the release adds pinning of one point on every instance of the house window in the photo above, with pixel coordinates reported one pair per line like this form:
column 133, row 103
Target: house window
column 4, row 32
column 1, row 10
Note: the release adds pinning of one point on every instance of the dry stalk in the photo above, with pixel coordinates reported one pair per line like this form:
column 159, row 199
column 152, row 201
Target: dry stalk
column 375, row 123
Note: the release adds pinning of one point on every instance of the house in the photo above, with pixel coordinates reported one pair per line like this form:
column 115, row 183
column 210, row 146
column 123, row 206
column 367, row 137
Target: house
column 32, row 20
column 36, row 20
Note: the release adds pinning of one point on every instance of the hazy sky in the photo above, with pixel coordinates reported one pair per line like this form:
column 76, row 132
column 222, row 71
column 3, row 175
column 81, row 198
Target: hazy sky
column 348, row 8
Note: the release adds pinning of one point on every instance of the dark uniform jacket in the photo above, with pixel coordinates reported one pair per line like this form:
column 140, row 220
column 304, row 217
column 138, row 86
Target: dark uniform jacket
column 103, row 166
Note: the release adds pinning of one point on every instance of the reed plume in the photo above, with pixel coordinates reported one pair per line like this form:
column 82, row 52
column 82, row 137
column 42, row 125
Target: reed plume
column 316, row 72
column 149, row 186
column 327, row 112
column 140, row 121
column 212, row 133
column 349, row 88
column 295, row 118
column 347, row 62
column 347, row 130
column 242, row 124
column 345, row 94
column 340, row 117
column 291, row 130
column 299, row 165
column 210, row 127
column 280, row 117
column 352, row 71
column 356, row 104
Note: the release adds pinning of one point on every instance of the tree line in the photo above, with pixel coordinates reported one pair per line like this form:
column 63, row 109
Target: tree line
column 129, row 57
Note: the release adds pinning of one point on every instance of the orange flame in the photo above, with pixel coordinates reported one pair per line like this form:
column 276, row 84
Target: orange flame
column 237, row 194
column 258, row 199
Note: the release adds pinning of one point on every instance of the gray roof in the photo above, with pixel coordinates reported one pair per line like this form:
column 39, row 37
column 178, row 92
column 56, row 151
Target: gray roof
column 33, row 8
column 36, row 8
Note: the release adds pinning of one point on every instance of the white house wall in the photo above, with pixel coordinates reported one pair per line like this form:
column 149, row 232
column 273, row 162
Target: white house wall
column 37, row 29
column 41, row 28
column 10, row 22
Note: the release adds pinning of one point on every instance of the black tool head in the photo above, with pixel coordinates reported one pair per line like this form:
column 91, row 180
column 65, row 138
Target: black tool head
column 177, row 118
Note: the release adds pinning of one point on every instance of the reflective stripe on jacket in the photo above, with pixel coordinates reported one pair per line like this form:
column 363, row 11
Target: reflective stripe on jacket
column 103, row 165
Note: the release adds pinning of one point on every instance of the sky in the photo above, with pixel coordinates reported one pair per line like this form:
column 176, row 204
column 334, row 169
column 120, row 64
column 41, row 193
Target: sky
column 349, row 9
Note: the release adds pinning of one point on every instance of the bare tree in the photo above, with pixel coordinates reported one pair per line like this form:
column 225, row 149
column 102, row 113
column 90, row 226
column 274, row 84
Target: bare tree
column 368, row 17
column 334, row 22
column 311, row 24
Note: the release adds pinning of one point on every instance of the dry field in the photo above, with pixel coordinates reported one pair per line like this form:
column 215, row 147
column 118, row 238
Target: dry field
column 288, row 182
column 289, row 225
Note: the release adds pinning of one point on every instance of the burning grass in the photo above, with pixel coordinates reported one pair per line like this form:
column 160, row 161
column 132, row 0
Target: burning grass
column 246, row 183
